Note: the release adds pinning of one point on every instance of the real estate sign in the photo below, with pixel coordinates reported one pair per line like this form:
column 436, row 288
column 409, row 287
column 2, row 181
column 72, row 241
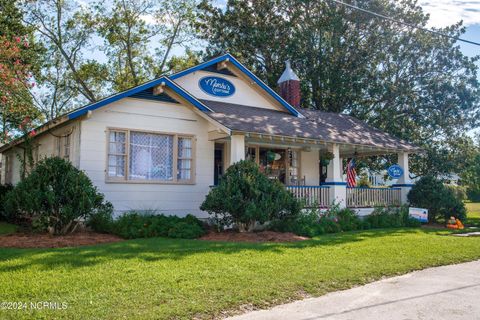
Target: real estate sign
column 419, row 214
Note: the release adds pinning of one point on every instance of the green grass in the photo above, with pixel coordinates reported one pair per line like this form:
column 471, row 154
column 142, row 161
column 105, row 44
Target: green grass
column 473, row 213
column 181, row 279
column 6, row 228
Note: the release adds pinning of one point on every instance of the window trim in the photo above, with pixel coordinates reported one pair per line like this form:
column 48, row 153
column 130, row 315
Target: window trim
column 175, row 180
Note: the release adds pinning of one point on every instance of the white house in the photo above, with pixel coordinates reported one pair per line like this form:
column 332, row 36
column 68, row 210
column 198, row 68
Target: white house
column 163, row 144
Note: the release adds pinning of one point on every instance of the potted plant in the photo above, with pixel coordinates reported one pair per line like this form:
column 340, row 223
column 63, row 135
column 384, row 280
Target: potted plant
column 326, row 157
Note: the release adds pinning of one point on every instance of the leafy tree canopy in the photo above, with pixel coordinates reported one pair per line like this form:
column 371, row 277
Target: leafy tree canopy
column 410, row 83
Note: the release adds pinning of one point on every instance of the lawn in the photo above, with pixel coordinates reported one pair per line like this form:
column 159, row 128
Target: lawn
column 473, row 216
column 6, row 228
column 181, row 279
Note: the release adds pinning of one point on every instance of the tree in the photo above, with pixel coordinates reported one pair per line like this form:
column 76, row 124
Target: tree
column 131, row 27
column 410, row 83
column 66, row 31
column 15, row 82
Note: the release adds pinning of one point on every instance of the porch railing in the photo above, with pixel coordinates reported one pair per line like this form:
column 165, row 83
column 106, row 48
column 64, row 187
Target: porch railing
column 372, row 197
column 312, row 195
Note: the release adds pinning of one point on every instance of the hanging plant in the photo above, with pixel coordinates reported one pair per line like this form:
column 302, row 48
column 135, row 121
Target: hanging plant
column 326, row 157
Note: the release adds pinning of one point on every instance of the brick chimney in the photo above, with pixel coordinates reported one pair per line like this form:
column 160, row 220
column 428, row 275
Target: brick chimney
column 289, row 86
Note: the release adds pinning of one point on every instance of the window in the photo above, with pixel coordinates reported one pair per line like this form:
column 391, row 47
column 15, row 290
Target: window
column 184, row 167
column 293, row 167
column 117, row 153
column 8, row 169
column 63, row 146
column 145, row 156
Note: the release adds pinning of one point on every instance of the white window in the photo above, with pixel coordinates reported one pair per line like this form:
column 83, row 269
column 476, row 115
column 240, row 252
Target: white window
column 63, row 146
column 117, row 153
column 8, row 169
column 146, row 156
column 184, row 162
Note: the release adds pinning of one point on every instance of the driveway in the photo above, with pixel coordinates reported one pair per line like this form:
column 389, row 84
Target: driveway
column 450, row 292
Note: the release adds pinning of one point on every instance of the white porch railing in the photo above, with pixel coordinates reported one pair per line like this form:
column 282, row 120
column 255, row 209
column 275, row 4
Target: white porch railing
column 312, row 195
column 372, row 197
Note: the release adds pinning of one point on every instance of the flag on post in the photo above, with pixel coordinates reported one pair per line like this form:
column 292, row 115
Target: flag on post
column 351, row 174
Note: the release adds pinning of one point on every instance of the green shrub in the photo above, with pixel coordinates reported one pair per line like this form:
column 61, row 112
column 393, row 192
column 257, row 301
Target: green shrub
column 55, row 196
column 430, row 193
column 312, row 222
column 460, row 192
column 4, row 189
column 101, row 221
column 132, row 225
column 245, row 196
column 390, row 217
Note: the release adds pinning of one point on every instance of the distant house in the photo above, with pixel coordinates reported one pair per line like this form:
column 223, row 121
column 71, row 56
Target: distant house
column 163, row 144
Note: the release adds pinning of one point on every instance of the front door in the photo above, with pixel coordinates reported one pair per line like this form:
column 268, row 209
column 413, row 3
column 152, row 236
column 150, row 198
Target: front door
column 219, row 163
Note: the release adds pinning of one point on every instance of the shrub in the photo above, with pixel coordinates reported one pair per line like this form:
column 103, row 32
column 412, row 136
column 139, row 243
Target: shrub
column 245, row 196
column 132, row 225
column 4, row 189
column 430, row 193
column 390, row 217
column 460, row 192
column 101, row 221
column 55, row 196
column 312, row 222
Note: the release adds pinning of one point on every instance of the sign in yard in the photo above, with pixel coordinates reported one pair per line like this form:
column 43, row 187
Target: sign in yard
column 419, row 214
column 216, row 86
column 395, row 171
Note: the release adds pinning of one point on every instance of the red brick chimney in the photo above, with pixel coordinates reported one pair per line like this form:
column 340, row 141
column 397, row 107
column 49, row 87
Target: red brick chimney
column 289, row 86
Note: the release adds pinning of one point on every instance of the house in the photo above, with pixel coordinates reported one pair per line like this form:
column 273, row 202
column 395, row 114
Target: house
column 163, row 144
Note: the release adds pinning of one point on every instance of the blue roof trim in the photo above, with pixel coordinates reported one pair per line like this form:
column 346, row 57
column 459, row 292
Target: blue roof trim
column 172, row 85
column 247, row 72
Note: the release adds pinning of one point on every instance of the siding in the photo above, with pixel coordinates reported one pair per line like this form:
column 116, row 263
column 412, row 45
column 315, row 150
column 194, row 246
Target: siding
column 310, row 167
column 47, row 147
column 245, row 93
column 150, row 116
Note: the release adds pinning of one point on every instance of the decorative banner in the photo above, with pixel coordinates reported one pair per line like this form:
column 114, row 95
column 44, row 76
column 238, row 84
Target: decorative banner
column 216, row 86
column 395, row 171
column 419, row 214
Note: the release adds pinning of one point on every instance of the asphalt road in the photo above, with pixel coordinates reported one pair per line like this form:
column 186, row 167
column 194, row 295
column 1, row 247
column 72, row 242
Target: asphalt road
column 450, row 292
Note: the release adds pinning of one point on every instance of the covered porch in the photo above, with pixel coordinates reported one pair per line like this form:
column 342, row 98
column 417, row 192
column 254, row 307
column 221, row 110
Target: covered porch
column 299, row 164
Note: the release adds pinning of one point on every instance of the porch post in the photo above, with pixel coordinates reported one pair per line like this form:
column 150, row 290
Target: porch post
column 237, row 148
column 404, row 182
column 338, row 188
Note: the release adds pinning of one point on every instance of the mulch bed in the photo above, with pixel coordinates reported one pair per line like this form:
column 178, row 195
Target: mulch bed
column 263, row 236
column 26, row 240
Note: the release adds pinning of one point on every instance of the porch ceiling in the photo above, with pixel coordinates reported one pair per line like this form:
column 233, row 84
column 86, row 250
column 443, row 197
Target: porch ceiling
column 346, row 150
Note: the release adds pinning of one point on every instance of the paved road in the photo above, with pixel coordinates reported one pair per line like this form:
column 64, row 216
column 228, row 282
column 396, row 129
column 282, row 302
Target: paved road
column 450, row 292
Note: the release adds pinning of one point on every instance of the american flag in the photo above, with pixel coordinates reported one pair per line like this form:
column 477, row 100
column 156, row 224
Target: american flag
column 351, row 174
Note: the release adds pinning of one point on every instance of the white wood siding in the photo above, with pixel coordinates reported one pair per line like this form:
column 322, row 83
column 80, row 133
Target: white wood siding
column 47, row 147
column 147, row 115
column 245, row 93
column 310, row 167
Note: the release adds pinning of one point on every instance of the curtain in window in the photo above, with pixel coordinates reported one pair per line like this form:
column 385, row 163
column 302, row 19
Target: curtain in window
column 184, row 164
column 116, row 154
column 151, row 156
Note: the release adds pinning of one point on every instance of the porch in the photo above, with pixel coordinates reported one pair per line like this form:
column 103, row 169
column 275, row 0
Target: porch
column 300, row 164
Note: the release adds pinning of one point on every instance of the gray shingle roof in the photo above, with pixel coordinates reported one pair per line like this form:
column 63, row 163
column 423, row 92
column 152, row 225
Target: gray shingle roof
column 325, row 126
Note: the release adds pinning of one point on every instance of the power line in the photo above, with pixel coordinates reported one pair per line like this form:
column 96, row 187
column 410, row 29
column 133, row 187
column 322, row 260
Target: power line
column 405, row 23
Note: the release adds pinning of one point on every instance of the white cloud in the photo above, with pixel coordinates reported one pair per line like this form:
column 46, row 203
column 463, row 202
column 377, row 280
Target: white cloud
column 447, row 12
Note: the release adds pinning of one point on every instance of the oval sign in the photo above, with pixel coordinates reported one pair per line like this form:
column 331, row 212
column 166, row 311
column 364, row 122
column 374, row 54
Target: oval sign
column 395, row 171
column 216, row 86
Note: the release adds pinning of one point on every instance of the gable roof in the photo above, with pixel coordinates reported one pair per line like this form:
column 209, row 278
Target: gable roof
column 136, row 90
column 318, row 125
column 228, row 57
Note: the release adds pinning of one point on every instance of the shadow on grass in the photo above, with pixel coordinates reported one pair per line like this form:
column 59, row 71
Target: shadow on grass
column 155, row 249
